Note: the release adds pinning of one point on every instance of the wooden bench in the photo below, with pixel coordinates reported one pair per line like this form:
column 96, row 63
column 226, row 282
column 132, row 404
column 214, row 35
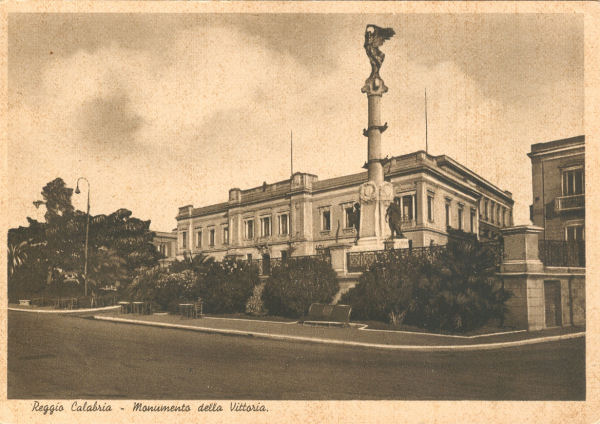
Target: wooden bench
column 320, row 314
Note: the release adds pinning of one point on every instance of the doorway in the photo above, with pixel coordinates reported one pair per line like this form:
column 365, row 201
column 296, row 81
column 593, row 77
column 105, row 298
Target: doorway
column 552, row 303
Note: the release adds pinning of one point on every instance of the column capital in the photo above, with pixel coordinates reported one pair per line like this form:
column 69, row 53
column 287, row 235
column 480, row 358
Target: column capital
column 374, row 86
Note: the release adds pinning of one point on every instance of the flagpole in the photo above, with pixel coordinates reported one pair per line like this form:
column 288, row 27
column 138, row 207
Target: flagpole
column 426, row 140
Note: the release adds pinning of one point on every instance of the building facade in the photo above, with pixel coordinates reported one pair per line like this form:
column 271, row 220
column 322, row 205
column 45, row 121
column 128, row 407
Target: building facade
column 558, row 177
column 305, row 216
column 166, row 243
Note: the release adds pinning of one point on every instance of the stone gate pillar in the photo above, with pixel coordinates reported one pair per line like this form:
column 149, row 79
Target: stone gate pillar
column 522, row 275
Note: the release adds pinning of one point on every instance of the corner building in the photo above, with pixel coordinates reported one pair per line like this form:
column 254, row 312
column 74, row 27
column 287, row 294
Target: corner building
column 558, row 177
column 304, row 216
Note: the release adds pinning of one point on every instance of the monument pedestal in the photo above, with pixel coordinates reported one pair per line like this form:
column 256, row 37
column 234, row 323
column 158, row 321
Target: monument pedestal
column 374, row 200
column 397, row 243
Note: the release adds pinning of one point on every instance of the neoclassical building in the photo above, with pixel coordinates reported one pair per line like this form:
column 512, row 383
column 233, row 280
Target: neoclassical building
column 304, row 216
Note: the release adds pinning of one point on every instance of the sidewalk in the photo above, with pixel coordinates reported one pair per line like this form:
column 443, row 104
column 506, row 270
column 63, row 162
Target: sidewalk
column 351, row 336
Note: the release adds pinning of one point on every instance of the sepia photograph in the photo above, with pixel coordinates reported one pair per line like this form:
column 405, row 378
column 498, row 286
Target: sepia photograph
column 212, row 211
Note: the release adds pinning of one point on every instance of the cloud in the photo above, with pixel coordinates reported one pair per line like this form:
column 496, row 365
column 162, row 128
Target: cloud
column 211, row 107
column 109, row 120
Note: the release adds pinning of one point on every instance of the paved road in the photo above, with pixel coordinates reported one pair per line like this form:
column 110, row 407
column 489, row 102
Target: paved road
column 73, row 357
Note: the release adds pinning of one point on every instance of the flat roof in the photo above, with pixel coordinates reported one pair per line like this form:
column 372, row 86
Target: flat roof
column 563, row 142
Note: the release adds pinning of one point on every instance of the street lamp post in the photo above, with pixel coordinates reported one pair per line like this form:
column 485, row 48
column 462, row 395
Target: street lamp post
column 87, row 228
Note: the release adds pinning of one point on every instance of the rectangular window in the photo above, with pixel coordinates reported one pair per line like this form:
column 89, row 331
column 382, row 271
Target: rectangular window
column 348, row 215
column 198, row 239
column 447, row 214
column 249, row 229
column 265, row 226
column 284, row 255
column 498, row 211
column 407, row 207
column 211, row 237
column 460, row 218
column 472, row 221
column 249, row 257
column 225, row 234
column 486, row 210
column 430, row 208
column 284, row 224
column 325, row 220
column 575, row 232
column 573, row 182
column 491, row 211
column 184, row 243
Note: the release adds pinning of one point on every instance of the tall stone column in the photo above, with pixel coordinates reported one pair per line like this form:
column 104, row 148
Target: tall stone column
column 376, row 194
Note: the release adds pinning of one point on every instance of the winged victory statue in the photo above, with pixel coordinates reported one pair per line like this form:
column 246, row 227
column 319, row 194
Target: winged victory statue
column 374, row 38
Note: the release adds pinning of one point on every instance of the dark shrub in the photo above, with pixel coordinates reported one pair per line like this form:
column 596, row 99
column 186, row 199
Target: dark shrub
column 166, row 290
column 294, row 285
column 464, row 292
column 61, row 288
column 391, row 286
column 454, row 290
column 23, row 286
column 226, row 286
column 144, row 285
column 172, row 289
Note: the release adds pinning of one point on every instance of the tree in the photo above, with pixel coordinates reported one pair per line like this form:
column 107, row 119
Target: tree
column 105, row 268
column 16, row 256
column 119, row 244
column 57, row 198
column 128, row 237
column 465, row 292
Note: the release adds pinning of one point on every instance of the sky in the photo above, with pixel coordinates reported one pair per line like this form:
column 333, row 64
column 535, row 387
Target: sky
column 158, row 111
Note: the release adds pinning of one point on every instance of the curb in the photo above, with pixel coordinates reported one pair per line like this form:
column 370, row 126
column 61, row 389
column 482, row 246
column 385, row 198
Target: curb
column 67, row 311
column 423, row 348
column 364, row 328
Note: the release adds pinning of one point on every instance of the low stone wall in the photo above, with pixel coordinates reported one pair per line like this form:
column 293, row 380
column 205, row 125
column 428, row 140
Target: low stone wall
column 527, row 307
column 516, row 305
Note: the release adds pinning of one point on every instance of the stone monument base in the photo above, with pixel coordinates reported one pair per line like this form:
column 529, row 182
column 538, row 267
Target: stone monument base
column 396, row 243
column 368, row 243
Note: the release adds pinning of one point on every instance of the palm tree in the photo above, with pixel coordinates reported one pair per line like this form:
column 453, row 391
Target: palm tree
column 16, row 256
column 106, row 267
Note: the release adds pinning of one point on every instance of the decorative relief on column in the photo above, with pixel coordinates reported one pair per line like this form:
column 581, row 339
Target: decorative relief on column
column 368, row 192
column 386, row 192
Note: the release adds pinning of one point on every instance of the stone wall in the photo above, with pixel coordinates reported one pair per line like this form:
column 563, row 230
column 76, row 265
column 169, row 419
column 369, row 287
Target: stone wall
column 524, row 275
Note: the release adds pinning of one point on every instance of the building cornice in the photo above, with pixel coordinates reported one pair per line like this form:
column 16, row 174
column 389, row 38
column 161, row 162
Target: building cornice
column 418, row 162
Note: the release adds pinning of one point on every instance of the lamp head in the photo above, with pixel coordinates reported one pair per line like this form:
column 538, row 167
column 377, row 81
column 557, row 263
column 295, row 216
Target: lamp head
column 77, row 189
